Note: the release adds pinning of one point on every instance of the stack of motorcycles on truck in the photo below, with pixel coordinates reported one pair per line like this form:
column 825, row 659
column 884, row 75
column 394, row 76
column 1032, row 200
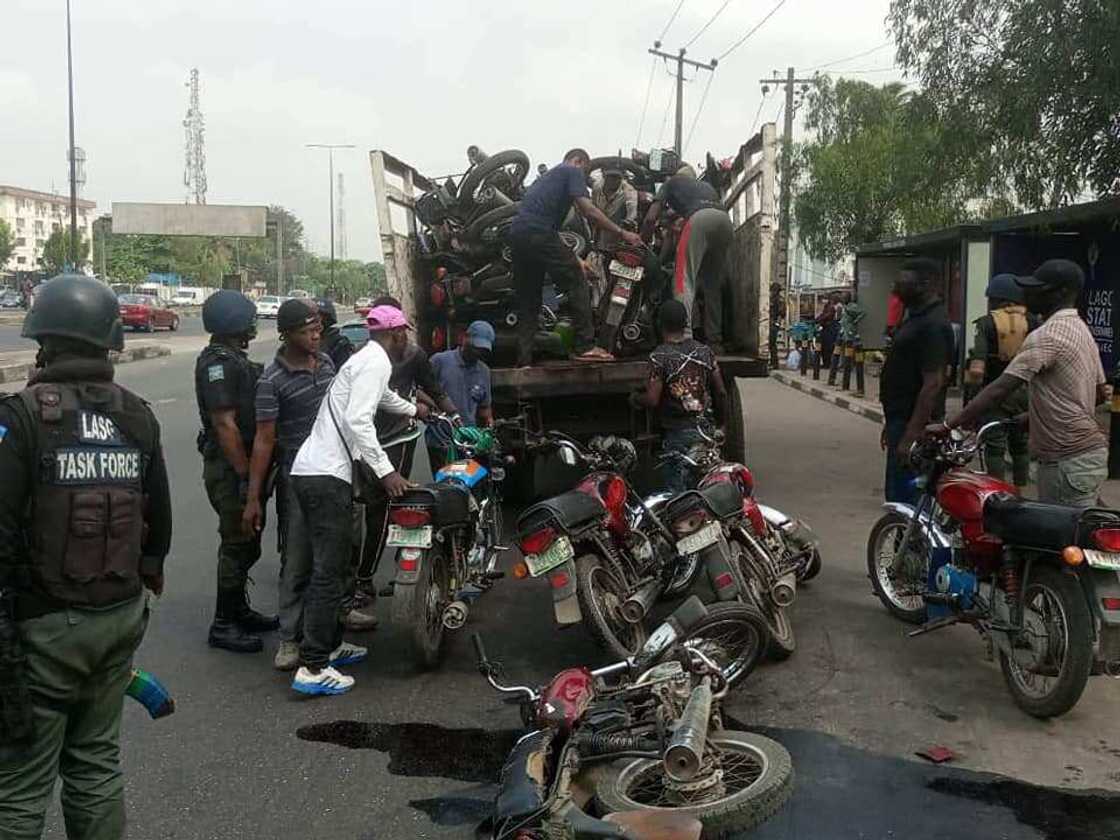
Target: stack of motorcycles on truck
column 461, row 237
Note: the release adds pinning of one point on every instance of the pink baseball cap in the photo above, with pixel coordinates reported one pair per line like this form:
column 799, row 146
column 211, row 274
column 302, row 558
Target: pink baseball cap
column 386, row 318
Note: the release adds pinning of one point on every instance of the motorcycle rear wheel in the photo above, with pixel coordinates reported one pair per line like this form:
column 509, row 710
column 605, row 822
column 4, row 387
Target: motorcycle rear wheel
column 758, row 774
column 734, row 635
column 892, row 527
column 430, row 596
column 1054, row 601
column 601, row 593
column 782, row 642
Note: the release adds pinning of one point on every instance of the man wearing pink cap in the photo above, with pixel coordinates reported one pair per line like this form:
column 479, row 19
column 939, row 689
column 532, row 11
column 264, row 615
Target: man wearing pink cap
column 322, row 473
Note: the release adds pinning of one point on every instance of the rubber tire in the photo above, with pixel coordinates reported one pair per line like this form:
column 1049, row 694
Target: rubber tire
column 719, row 613
column 640, row 176
column 175, row 324
column 735, row 445
column 812, row 568
column 475, row 229
column 781, row 645
column 477, row 176
column 1079, row 657
column 728, row 819
column 908, row 616
column 410, row 608
column 682, row 588
column 593, row 620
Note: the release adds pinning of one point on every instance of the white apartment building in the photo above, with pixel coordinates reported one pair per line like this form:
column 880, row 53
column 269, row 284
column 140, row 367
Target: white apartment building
column 32, row 216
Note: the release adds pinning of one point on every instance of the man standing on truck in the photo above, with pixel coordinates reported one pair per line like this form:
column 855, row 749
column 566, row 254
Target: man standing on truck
column 619, row 202
column 534, row 239
column 701, row 248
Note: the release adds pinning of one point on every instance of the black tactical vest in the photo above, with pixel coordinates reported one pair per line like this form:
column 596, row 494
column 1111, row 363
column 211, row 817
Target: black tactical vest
column 248, row 372
column 93, row 443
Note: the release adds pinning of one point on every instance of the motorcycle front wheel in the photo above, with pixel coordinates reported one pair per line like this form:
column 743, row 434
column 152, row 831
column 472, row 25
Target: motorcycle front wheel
column 898, row 581
column 601, row 594
column 1058, row 627
column 757, row 780
column 733, row 635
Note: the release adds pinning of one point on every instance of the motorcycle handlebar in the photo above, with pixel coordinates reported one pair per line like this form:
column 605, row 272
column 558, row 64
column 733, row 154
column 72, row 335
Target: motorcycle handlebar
column 479, row 651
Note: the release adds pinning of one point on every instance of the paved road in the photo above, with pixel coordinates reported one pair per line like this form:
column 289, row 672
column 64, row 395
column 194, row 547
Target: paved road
column 189, row 325
column 852, row 705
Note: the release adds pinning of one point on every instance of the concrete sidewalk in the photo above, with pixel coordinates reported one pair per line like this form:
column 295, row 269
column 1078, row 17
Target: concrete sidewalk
column 16, row 367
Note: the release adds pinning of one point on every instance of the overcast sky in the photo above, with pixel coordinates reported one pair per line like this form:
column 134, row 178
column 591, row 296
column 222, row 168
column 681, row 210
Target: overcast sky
column 422, row 80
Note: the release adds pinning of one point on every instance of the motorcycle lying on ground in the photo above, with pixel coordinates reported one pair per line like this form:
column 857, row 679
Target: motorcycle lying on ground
column 642, row 744
column 1038, row 581
column 448, row 539
column 752, row 553
column 609, row 557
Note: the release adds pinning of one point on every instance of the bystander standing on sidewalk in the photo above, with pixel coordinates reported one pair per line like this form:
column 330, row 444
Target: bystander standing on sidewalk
column 1062, row 365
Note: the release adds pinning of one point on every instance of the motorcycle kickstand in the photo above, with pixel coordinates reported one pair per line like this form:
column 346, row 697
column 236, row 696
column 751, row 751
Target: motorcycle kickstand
column 936, row 624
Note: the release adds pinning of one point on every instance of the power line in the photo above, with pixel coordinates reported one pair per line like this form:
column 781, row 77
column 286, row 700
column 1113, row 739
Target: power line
column 699, row 108
column 711, row 20
column 757, row 114
column 665, row 31
column 870, row 70
column 645, row 106
column 665, row 119
column 751, row 31
column 883, row 45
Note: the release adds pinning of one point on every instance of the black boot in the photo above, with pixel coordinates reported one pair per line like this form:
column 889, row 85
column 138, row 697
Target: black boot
column 249, row 619
column 226, row 633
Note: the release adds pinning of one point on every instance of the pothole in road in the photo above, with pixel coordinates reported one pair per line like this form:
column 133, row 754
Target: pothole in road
column 423, row 749
column 1058, row 814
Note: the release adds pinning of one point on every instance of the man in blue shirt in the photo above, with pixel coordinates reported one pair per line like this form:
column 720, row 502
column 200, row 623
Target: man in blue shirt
column 465, row 378
column 534, row 239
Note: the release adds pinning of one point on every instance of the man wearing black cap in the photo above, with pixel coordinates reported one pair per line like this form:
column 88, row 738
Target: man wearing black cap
column 332, row 341
column 288, row 396
column 1062, row 365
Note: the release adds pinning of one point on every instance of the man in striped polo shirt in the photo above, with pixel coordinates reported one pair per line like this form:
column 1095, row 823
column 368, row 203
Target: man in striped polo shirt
column 1062, row 365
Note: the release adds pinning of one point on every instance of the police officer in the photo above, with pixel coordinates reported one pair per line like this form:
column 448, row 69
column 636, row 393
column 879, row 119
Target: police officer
column 225, row 383
column 85, row 523
column 332, row 341
column 999, row 335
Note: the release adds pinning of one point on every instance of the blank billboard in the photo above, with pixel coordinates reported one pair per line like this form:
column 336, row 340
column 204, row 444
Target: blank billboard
column 189, row 219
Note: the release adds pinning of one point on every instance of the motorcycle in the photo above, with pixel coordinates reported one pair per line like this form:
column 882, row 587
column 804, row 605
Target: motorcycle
column 647, row 736
column 626, row 304
column 1038, row 581
column 752, row 552
column 604, row 549
column 448, row 539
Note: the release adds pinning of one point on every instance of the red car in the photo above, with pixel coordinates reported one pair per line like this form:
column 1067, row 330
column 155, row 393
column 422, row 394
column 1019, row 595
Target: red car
column 142, row 312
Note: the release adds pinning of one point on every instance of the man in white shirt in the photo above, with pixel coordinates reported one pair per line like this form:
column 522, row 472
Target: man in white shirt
column 322, row 474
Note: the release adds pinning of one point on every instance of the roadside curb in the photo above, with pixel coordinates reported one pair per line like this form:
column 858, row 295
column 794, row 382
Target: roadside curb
column 864, row 409
column 18, row 371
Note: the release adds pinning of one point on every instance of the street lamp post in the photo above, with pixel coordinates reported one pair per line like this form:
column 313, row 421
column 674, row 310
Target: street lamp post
column 330, row 147
column 73, row 161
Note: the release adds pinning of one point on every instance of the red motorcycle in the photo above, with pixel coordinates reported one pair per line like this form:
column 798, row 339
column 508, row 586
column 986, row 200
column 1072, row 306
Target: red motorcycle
column 1038, row 581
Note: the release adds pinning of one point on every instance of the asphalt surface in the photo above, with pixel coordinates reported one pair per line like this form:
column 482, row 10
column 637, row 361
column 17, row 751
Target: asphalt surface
column 851, row 705
column 189, row 325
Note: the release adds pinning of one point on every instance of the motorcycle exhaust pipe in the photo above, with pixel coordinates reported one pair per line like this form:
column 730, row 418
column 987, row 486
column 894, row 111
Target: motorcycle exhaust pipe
column 455, row 615
column 784, row 591
column 685, row 755
column 635, row 607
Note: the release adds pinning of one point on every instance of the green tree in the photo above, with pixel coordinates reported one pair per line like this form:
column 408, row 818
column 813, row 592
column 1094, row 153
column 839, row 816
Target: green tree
column 55, row 256
column 7, row 243
column 1031, row 86
column 871, row 172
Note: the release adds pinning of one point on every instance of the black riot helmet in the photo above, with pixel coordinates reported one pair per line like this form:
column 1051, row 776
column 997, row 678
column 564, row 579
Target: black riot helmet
column 229, row 313
column 76, row 307
column 327, row 314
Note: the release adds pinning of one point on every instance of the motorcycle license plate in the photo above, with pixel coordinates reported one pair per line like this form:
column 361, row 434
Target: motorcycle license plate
column 1102, row 559
column 620, row 295
column 706, row 536
column 630, row 272
column 557, row 554
column 410, row 537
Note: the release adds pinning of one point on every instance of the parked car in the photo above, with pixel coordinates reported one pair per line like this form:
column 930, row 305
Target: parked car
column 11, row 299
column 357, row 332
column 362, row 306
column 302, row 294
column 268, row 306
column 142, row 312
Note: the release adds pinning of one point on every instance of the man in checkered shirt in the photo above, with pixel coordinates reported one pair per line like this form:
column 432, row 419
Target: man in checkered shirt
column 1062, row 365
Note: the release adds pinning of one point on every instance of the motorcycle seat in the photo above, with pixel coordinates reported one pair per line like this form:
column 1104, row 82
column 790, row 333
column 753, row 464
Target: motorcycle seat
column 449, row 500
column 570, row 510
column 722, row 499
column 1031, row 524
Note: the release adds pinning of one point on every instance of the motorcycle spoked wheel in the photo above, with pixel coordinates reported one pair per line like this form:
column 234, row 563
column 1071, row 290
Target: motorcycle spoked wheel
column 809, row 570
column 901, row 593
column 1054, row 609
column 601, row 593
column 431, row 594
column 757, row 782
column 782, row 642
column 733, row 635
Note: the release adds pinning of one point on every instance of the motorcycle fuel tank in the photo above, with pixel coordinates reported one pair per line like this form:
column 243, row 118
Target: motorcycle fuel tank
column 961, row 494
column 566, row 698
column 468, row 473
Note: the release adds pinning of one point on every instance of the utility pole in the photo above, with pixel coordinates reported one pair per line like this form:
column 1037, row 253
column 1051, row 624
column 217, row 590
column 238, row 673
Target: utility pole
column 785, row 190
column 681, row 62
column 342, row 243
column 73, row 157
column 330, row 147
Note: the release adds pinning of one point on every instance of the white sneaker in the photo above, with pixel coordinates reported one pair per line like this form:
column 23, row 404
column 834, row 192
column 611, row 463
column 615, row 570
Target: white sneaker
column 327, row 681
column 348, row 654
column 287, row 657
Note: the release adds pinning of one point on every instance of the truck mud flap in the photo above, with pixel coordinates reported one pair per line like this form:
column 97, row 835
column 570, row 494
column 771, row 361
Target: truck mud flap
column 565, row 603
